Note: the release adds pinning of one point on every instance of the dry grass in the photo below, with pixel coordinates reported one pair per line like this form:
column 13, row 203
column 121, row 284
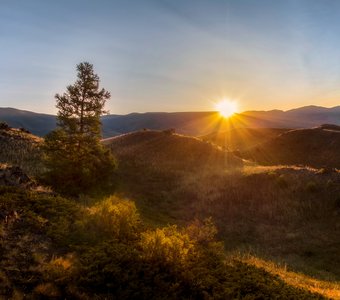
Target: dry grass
column 288, row 213
column 21, row 149
column 168, row 152
column 240, row 139
column 299, row 280
column 315, row 147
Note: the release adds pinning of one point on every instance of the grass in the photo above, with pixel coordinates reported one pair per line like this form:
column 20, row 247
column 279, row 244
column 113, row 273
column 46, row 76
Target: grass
column 21, row 149
column 326, row 288
column 317, row 147
column 241, row 139
column 286, row 214
column 283, row 212
column 54, row 250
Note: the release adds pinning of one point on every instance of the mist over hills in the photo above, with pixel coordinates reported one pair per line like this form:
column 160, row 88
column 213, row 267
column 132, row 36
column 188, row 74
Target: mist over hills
column 190, row 123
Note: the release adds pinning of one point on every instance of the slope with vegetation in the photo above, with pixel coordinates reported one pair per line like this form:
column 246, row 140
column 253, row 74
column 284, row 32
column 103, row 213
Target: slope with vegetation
column 240, row 139
column 51, row 249
column 51, row 246
column 282, row 212
column 20, row 148
column 317, row 147
column 152, row 164
column 286, row 214
column 168, row 150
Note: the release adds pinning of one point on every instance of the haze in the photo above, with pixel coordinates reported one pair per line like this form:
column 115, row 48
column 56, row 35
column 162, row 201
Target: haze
column 173, row 55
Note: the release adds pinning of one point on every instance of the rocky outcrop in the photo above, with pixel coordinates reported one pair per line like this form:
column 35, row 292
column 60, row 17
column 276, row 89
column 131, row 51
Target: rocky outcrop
column 14, row 176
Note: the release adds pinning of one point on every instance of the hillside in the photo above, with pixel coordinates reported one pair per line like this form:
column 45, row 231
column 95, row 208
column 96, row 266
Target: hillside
column 275, row 214
column 20, row 148
column 165, row 150
column 286, row 215
column 50, row 249
column 240, row 139
column 188, row 123
column 317, row 147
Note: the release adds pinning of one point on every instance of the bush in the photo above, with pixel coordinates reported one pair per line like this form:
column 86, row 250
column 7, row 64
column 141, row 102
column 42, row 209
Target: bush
column 4, row 126
column 22, row 129
column 166, row 245
column 113, row 218
column 169, row 131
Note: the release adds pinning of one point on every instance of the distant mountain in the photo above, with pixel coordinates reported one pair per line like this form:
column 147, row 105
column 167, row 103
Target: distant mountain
column 307, row 116
column 316, row 147
column 38, row 124
column 203, row 123
column 189, row 123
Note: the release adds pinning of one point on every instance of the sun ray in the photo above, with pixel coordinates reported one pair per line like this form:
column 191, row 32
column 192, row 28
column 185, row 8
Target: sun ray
column 226, row 108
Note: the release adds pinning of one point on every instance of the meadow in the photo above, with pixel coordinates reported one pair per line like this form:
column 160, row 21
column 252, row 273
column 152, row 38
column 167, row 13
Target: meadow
column 185, row 219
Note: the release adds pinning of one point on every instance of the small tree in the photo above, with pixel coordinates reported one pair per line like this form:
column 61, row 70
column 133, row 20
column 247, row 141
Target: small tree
column 75, row 158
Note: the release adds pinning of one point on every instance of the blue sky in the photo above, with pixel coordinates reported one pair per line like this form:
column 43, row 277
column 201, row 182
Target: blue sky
column 173, row 55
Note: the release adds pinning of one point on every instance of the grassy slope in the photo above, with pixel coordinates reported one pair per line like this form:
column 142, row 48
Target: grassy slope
column 317, row 147
column 285, row 214
column 52, row 250
column 164, row 150
column 151, row 163
column 282, row 219
column 240, row 139
column 20, row 149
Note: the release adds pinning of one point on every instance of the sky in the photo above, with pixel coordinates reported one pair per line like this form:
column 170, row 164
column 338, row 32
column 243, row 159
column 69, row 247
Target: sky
column 172, row 55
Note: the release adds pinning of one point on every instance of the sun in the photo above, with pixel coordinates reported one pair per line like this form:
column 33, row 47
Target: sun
column 226, row 108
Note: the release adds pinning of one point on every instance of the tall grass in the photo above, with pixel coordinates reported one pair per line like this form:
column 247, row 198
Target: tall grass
column 21, row 149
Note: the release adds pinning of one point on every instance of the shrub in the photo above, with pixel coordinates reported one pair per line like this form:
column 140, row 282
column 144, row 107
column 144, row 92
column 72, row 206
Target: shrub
column 4, row 126
column 22, row 129
column 166, row 245
column 113, row 218
column 169, row 131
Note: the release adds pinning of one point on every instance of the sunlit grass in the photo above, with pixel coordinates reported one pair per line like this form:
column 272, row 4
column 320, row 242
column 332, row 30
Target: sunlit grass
column 252, row 168
column 299, row 280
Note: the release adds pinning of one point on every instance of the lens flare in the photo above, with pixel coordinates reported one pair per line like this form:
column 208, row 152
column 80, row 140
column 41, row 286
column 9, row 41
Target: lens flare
column 226, row 108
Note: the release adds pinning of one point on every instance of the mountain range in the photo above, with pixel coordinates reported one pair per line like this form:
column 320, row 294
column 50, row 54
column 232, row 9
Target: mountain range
column 190, row 123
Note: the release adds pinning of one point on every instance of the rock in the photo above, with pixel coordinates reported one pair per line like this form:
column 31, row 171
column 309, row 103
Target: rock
column 14, row 176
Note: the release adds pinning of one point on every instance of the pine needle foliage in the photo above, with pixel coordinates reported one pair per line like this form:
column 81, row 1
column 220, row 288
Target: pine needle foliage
column 75, row 159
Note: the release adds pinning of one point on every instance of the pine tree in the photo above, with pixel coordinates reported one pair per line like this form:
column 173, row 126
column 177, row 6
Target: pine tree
column 75, row 159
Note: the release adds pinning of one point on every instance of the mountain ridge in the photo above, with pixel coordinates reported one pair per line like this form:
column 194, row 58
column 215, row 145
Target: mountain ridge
column 190, row 123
